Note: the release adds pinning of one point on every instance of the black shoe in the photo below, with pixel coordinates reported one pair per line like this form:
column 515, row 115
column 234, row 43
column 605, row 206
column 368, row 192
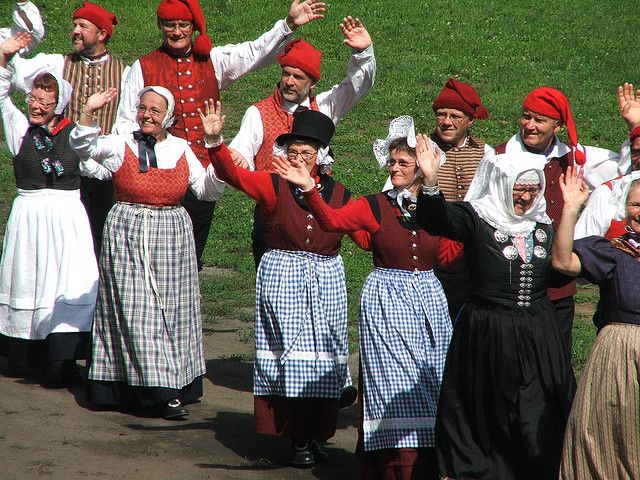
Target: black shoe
column 320, row 455
column 301, row 456
column 173, row 410
column 348, row 396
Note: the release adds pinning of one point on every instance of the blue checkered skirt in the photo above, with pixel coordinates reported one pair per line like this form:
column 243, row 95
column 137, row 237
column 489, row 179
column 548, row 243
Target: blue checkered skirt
column 301, row 326
column 405, row 331
column 147, row 328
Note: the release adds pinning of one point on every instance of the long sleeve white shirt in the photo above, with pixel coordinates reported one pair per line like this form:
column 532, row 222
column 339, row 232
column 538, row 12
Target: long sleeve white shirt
column 230, row 62
column 109, row 151
column 334, row 103
column 36, row 29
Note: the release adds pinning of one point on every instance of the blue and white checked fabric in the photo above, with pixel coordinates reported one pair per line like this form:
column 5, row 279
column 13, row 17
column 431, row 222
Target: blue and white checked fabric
column 301, row 326
column 147, row 327
column 405, row 332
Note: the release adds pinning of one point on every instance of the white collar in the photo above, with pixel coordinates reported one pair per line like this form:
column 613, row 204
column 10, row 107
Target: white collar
column 290, row 107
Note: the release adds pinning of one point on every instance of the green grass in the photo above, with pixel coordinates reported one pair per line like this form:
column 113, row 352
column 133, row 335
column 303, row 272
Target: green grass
column 504, row 48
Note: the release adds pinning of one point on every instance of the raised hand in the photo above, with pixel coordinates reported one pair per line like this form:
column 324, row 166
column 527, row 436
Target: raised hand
column 428, row 161
column 212, row 120
column 293, row 171
column 356, row 36
column 629, row 102
column 12, row 45
column 304, row 11
column 574, row 191
column 99, row 100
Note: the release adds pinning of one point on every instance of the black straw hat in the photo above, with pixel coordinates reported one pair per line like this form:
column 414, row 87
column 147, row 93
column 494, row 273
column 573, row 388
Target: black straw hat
column 309, row 125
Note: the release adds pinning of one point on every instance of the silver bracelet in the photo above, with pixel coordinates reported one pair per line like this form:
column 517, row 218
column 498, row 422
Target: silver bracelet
column 430, row 190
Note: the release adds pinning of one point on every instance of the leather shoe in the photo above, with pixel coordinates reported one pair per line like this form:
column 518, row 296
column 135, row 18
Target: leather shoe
column 320, row 455
column 301, row 456
column 173, row 410
column 348, row 396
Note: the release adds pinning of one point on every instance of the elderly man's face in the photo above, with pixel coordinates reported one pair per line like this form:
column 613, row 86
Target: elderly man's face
column 295, row 85
column 176, row 34
column 87, row 38
column 537, row 131
column 452, row 126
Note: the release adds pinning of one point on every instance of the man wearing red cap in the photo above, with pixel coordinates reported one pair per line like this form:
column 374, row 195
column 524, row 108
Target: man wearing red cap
column 252, row 147
column 89, row 68
column 545, row 111
column 195, row 71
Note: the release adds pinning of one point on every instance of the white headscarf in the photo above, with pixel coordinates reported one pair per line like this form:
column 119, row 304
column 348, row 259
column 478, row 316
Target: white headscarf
column 64, row 89
column 168, row 96
column 495, row 203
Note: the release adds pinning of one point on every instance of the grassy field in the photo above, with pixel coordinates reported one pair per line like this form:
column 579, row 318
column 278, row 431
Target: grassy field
column 504, row 48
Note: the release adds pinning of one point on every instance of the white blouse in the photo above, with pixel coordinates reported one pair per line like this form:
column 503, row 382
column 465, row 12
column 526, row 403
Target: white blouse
column 109, row 150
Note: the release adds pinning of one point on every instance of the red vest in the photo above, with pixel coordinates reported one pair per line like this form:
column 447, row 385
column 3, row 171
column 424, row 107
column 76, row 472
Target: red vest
column 275, row 121
column 158, row 186
column 293, row 228
column 395, row 246
column 191, row 82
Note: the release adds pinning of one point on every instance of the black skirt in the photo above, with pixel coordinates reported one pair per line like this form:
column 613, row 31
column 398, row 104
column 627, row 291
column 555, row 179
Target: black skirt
column 506, row 394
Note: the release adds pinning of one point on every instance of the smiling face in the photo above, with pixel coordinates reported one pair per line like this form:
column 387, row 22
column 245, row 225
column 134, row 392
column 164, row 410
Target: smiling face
column 633, row 206
column 176, row 34
column 151, row 112
column 452, row 126
column 41, row 105
column 402, row 168
column 537, row 131
column 523, row 197
column 295, row 85
column 87, row 39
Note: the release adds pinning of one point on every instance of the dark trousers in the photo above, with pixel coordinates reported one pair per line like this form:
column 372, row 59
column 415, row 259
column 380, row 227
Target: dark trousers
column 565, row 310
column 258, row 236
column 201, row 214
column 98, row 198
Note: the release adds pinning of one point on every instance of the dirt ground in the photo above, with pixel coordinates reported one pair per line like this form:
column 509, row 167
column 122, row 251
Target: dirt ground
column 53, row 433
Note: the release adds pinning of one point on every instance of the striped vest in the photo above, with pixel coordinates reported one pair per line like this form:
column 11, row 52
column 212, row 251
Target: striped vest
column 457, row 172
column 88, row 78
column 275, row 121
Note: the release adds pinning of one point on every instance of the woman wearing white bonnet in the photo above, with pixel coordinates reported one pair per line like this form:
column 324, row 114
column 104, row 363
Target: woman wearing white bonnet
column 48, row 272
column 404, row 321
column 507, row 386
column 147, row 344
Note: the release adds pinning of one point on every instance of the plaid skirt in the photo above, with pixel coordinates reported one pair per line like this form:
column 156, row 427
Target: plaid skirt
column 602, row 440
column 147, row 328
column 405, row 331
column 301, row 326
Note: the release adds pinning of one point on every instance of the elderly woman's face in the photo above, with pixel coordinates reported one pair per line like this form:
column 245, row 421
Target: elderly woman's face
column 307, row 153
column 151, row 112
column 523, row 197
column 402, row 168
column 41, row 105
column 633, row 209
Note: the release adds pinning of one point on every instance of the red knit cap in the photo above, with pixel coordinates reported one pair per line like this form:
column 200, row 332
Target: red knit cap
column 635, row 133
column 188, row 10
column 552, row 103
column 302, row 55
column 461, row 96
column 97, row 15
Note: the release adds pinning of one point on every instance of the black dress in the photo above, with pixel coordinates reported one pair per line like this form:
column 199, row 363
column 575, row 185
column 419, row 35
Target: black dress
column 507, row 386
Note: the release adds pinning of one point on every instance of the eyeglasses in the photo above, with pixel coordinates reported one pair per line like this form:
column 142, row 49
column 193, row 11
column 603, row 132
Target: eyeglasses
column 31, row 100
column 306, row 156
column 154, row 112
column 182, row 26
column 455, row 118
column 519, row 192
column 401, row 163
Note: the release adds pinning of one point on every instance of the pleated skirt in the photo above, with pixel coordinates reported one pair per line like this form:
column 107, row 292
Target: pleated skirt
column 506, row 394
column 602, row 440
